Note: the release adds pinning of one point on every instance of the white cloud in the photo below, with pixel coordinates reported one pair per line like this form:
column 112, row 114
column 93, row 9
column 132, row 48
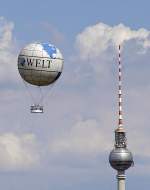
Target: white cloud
column 18, row 152
column 95, row 40
column 85, row 137
column 8, row 58
column 5, row 34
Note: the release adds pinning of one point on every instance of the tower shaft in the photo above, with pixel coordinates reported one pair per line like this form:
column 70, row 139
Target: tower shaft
column 121, row 180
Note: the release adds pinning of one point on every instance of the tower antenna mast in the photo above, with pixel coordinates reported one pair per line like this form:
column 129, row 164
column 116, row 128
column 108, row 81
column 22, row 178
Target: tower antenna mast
column 120, row 121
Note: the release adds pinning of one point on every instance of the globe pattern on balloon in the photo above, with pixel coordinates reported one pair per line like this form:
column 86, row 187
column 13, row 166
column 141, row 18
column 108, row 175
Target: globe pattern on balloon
column 40, row 64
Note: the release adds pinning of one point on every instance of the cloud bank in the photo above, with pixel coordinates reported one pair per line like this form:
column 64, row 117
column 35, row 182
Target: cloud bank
column 18, row 152
column 85, row 138
column 8, row 49
column 94, row 40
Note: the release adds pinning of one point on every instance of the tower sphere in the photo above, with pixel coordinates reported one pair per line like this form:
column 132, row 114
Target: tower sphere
column 120, row 159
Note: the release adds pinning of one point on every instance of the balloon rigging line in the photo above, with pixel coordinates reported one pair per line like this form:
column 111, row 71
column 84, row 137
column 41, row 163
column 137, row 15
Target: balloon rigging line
column 30, row 94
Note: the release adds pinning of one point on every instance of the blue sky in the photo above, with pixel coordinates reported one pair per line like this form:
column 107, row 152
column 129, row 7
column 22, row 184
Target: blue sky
column 68, row 146
column 70, row 17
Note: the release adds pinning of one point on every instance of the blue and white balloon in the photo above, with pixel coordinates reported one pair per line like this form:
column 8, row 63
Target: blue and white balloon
column 40, row 64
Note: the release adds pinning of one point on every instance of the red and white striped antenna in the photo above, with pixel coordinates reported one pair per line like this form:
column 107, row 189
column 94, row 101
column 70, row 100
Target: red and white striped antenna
column 120, row 136
column 120, row 120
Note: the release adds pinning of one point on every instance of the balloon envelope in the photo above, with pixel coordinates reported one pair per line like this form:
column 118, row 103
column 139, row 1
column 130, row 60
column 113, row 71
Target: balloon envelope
column 40, row 64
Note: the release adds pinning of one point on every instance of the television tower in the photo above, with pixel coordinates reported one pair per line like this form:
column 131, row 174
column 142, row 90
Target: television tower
column 120, row 157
